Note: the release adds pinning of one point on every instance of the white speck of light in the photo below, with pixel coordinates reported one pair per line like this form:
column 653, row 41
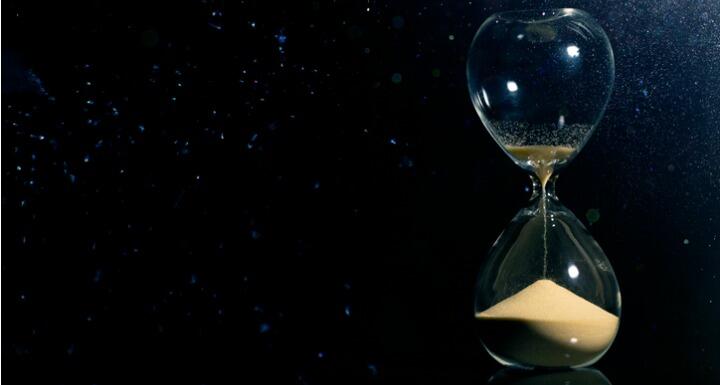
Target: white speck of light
column 520, row 36
column 451, row 37
column 573, row 340
column 573, row 271
column 573, row 51
column 512, row 86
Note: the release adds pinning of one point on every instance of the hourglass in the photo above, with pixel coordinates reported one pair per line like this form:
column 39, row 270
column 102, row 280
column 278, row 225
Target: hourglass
column 546, row 295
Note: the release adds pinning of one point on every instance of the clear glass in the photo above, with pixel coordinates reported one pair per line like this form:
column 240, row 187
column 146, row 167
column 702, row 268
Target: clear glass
column 546, row 295
column 570, row 322
column 540, row 77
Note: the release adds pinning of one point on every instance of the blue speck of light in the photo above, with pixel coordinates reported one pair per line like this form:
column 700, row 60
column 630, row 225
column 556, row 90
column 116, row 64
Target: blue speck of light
column 98, row 276
column 393, row 141
column 321, row 354
column 253, row 138
column 141, row 128
column 193, row 279
column 281, row 38
column 406, row 162
column 348, row 310
column 264, row 328
column 254, row 234
column 373, row 370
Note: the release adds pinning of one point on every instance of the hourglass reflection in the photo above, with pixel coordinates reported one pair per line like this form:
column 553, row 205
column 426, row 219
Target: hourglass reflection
column 514, row 376
column 546, row 295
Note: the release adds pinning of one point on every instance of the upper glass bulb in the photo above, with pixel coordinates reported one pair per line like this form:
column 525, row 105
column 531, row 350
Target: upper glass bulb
column 540, row 81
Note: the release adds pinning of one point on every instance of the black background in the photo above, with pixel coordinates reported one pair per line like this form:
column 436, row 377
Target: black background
column 301, row 192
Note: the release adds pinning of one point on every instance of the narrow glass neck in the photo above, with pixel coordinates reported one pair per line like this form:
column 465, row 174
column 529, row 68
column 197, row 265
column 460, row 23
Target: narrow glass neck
column 538, row 188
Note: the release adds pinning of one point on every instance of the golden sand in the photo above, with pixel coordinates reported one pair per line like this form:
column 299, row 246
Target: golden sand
column 547, row 325
column 541, row 158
